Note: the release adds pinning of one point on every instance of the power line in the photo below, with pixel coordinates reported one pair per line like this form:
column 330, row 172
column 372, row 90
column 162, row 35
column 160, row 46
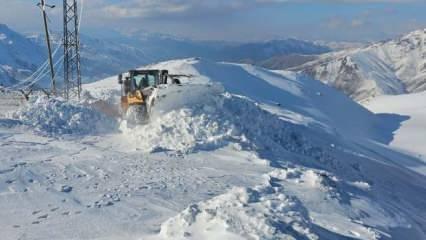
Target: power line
column 71, row 56
column 35, row 75
column 39, row 78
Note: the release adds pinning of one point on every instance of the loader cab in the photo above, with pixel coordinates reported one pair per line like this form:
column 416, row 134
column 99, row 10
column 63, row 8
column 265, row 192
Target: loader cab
column 144, row 80
column 135, row 80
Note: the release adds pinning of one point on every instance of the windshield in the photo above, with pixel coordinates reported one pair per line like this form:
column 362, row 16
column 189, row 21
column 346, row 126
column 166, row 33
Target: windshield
column 144, row 80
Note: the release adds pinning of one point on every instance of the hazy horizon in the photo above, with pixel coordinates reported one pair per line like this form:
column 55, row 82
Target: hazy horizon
column 235, row 20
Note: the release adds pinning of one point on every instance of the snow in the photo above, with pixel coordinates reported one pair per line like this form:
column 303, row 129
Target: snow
column 236, row 152
column 411, row 136
column 3, row 37
column 263, row 212
column 57, row 117
column 270, row 211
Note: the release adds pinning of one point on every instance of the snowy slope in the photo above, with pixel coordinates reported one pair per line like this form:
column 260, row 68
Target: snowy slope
column 386, row 68
column 236, row 152
column 301, row 96
column 411, row 136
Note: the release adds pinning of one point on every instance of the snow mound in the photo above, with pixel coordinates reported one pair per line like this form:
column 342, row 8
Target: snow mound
column 57, row 117
column 263, row 212
column 183, row 122
column 213, row 118
column 182, row 130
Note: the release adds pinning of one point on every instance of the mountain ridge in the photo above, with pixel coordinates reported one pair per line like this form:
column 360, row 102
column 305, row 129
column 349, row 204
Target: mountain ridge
column 104, row 57
column 385, row 68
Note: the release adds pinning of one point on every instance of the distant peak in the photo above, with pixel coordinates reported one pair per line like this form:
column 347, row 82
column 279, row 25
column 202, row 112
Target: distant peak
column 4, row 26
column 416, row 33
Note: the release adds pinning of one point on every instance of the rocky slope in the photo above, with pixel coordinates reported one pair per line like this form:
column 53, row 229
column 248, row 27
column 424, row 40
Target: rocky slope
column 386, row 68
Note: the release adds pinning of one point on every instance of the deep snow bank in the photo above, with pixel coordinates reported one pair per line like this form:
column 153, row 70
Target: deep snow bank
column 208, row 118
column 185, row 119
column 57, row 117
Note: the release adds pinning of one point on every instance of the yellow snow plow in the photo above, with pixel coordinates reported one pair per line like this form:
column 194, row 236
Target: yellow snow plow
column 139, row 89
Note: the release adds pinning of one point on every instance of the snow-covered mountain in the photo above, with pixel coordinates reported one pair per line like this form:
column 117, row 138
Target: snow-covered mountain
column 107, row 56
column 341, row 45
column 385, row 68
column 256, row 52
column 234, row 152
column 168, row 47
column 100, row 58
column 285, row 61
column 125, row 52
column 19, row 57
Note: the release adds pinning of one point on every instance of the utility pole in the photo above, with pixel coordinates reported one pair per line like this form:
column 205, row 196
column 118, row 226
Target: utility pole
column 43, row 6
column 72, row 65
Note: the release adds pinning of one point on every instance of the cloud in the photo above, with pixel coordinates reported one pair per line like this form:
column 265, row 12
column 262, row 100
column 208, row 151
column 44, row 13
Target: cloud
column 162, row 8
column 356, row 23
column 229, row 19
column 188, row 8
column 147, row 8
column 339, row 23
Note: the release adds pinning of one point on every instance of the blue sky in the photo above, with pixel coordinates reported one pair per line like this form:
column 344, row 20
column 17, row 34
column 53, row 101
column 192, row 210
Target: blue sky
column 235, row 20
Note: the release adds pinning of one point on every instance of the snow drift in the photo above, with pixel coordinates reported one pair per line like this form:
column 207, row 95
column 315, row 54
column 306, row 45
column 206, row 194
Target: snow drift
column 212, row 118
column 57, row 117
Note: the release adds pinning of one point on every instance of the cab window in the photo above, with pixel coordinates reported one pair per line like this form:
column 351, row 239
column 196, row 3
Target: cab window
column 139, row 80
column 151, row 80
column 144, row 80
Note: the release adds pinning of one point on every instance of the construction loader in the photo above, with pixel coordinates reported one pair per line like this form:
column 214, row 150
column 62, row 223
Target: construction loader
column 139, row 91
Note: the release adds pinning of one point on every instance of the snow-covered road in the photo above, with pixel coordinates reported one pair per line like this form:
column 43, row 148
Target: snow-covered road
column 88, row 188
